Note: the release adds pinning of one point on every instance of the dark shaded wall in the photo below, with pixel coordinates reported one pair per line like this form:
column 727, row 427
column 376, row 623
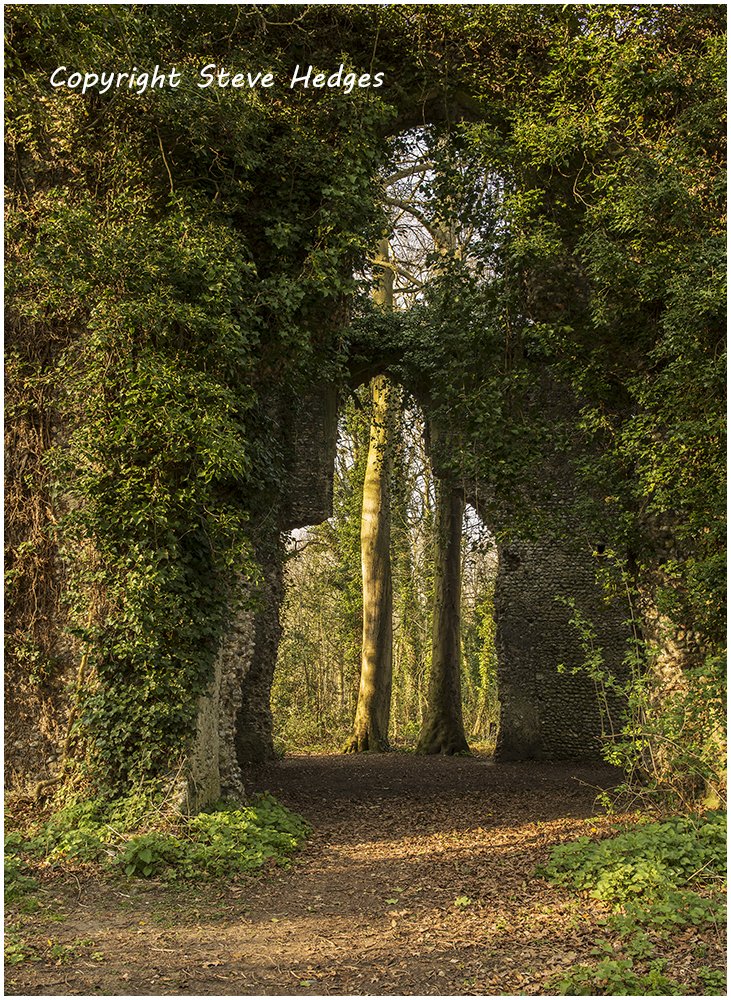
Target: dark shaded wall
column 550, row 708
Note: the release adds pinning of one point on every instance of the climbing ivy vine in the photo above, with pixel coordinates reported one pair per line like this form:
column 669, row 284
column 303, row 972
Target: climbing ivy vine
column 189, row 306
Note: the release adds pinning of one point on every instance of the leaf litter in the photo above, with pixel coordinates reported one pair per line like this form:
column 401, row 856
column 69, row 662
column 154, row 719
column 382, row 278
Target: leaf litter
column 419, row 879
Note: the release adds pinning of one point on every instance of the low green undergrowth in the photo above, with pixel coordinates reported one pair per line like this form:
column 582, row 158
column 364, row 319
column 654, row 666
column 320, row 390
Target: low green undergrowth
column 643, row 861
column 15, row 947
column 17, row 881
column 617, row 977
column 132, row 839
column 660, row 879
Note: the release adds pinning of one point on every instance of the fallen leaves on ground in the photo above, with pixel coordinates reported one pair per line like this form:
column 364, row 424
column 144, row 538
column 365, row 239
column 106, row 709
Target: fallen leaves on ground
column 419, row 879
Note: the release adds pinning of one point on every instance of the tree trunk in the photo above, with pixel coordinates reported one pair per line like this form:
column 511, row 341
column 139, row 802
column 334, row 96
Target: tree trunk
column 443, row 728
column 370, row 729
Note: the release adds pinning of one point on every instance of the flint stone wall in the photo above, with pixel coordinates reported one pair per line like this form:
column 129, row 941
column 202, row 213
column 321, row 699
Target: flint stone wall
column 545, row 713
column 234, row 727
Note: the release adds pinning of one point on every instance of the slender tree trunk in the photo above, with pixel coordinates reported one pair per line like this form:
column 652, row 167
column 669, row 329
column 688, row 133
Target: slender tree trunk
column 443, row 728
column 370, row 729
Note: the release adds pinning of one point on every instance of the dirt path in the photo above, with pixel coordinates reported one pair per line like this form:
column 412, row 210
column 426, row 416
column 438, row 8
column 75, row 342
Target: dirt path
column 418, row 880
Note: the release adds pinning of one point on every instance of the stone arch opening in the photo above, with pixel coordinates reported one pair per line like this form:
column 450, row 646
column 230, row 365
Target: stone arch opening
column 315, row 685
column 544, row 585
column 549, row 707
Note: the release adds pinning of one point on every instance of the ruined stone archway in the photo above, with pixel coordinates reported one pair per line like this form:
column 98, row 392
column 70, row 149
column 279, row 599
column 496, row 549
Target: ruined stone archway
column 551, row 709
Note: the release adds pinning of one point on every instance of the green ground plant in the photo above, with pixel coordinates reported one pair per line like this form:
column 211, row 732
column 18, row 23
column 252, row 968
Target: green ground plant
column 126, row 838
column 17, row 882
column 15, row 947
column 660, row 879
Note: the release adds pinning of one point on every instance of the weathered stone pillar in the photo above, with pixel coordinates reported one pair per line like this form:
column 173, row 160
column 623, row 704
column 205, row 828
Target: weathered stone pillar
column 214, row 770
column 234, row 727
column 253, row 729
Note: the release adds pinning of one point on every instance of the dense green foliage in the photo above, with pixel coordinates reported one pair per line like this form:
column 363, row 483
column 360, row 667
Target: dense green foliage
column 219, row 842
column 177, row 304
column 660, row 878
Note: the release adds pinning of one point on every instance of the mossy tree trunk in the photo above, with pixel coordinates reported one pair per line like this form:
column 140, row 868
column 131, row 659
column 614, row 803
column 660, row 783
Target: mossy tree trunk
column 370, row 728
column 443, row 728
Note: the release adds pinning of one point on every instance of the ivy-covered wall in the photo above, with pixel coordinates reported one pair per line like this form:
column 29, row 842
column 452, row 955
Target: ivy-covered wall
column 180, row 269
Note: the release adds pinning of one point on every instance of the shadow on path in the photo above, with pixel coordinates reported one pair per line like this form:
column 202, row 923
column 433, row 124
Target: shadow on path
column 418, row 879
